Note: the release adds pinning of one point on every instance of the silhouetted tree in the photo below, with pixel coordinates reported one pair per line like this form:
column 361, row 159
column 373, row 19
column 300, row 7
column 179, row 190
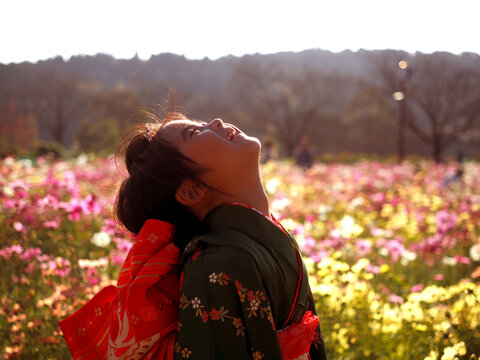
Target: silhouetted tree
column 371, row 121
column 391, row 75
column 285, row 101
column 444, row 102
column 58, row 100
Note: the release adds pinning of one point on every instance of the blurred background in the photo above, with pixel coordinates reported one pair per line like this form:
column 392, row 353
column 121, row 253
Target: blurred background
column 376, row 79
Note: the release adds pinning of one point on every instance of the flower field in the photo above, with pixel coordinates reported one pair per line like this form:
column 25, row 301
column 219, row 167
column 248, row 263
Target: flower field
column 393, row 252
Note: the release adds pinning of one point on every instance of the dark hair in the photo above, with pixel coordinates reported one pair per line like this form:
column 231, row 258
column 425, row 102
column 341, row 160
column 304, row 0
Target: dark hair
column 156, row 168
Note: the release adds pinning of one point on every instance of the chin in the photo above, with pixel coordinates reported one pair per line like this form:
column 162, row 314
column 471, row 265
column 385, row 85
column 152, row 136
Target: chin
column 256, row 145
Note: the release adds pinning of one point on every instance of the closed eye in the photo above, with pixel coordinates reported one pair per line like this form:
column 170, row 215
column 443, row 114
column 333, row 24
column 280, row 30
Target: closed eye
column 192, row 131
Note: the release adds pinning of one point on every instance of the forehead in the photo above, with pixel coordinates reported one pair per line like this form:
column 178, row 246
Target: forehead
column 172, row 131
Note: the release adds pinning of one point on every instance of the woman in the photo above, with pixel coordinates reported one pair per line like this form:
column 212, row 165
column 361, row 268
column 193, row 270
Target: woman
column 242, row 277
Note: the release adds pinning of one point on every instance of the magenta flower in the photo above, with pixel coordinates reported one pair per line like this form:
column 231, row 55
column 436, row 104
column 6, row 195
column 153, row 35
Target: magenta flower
column 74, row 209
column 31, row 253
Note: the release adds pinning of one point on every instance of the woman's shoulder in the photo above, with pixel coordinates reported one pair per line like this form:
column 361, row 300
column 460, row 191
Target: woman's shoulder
column 223, row 243
column 226, row 249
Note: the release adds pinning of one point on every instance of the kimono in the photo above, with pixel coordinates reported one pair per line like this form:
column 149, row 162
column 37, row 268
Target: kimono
column 137, row 318
column 240, row 283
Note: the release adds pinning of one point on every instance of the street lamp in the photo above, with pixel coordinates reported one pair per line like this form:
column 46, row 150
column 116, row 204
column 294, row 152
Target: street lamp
column 400, row 96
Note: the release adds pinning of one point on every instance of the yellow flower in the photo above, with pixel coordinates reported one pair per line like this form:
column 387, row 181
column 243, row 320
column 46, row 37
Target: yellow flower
column 460, row 348
column 360, row 265
column 387, row 210
column 432, row 356
column 384, row 268
column 449, row 353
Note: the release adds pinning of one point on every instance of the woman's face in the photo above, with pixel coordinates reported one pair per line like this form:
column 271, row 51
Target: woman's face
column 221, row 148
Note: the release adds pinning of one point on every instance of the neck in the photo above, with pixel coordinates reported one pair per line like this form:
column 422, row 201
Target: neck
column 249, row 191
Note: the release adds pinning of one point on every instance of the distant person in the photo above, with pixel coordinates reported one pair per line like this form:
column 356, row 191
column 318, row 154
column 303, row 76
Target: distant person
column 457, row 177
column 267, row 152
column 304, row 157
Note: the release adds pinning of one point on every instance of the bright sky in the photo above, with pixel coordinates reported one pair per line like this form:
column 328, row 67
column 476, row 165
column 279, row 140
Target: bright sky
column 40, row 29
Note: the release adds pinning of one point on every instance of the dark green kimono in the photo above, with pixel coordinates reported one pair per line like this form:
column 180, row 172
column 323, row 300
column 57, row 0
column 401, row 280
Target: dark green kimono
column 239, row 282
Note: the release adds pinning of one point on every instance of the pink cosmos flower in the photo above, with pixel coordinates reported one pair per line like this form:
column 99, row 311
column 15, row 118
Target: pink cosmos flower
column 118, row 259
column 374, row 269
column 416, row 288
column 445, row 221
column 91, row 204
column 308, row 244
column 74, row 209
column 51, row 224
column 122, row 244
column 7, row 252
column 319, row 255
column 63, row 271
column 48, row 201
column 30, row 254
column 30, row 267
column 438, row 277
column 92, row 276
column 460, row 259
column 395, row 248
column 395, row 299
column 363, row 247
column 19, row 226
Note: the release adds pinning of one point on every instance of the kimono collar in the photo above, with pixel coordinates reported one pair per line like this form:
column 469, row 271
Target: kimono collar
column 268, row 217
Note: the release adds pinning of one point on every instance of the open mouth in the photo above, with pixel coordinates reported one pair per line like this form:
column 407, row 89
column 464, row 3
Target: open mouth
column 231, row 134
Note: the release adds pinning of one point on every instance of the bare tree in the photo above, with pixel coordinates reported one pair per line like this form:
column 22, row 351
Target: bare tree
column 444, row 102
column 285, row 100
column 372, row 121
column 58, row 101
column 391, row 69
column 440, row 103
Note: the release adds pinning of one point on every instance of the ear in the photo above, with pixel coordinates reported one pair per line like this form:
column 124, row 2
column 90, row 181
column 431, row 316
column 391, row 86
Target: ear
column 190, row 193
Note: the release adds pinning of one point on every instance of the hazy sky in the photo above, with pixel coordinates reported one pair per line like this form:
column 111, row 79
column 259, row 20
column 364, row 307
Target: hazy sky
column 40, row 29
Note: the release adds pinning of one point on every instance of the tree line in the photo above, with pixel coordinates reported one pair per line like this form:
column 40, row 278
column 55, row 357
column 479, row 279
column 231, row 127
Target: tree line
column 370, row 102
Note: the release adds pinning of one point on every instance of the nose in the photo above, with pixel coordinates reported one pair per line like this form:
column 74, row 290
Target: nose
column 216, row 124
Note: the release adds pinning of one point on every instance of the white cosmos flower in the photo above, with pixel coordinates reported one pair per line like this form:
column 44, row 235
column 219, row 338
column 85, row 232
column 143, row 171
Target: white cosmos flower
column 101, row 239
column 475, row 252
column 447, row 260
